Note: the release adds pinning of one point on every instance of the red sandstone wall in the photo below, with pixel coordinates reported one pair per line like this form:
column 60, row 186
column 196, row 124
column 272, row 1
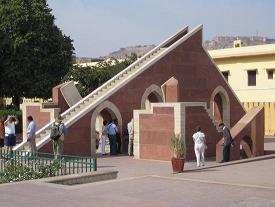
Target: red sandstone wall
column 189, row 64
column 78, row 139
column 196, row 74
column 157, row 128
column 155, row 131
column 197, row 116
column 41, row 118
column 59, row 99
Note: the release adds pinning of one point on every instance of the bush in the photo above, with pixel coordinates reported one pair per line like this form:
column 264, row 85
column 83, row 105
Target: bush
column 15, row 171
column 4, row 113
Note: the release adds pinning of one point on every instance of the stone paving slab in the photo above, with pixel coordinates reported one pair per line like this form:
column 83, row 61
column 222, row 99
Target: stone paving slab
column 151, row 183
column 145, row 191
column 259, row 173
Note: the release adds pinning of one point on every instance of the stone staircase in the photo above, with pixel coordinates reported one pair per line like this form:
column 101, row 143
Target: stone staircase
column 96, row 97
column 212, row 119
column 251, row 125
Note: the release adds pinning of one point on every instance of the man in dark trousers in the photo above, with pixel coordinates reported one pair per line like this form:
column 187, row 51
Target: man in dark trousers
column 227, row 142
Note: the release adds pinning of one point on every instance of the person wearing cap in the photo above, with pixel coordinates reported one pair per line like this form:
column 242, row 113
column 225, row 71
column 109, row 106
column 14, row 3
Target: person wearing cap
column 59, row 143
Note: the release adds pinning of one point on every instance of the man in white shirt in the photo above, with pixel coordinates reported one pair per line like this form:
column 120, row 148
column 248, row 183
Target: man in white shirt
column 200, row 146
column 130, row 128
column 10, row 137
column 31, row 134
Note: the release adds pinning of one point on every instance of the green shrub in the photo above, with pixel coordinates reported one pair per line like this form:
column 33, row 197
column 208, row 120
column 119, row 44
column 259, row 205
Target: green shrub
column 15, row 171
column 177, row 145
column 4, row 113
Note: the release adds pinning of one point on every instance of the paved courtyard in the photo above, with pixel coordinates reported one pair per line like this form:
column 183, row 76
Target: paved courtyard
column 151, row 183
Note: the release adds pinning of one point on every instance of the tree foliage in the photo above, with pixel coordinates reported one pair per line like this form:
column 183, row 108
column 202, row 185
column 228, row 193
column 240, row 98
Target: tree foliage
column 91, row 77
column 35, row 53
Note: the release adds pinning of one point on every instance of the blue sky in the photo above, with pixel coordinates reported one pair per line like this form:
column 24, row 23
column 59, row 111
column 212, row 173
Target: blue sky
column 99, row 27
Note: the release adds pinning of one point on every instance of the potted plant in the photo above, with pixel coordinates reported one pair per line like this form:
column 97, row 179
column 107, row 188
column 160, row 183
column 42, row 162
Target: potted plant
column 177, row 145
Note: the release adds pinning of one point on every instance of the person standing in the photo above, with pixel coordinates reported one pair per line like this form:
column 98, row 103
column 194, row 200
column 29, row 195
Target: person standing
column 200, row 146
column 130, row 128
column 10, row 137
column 2, row 133
column 227, row 142
column 118, row 137
column 31, row 134
column 104, row 134
column 58, row 130
column 112, row 132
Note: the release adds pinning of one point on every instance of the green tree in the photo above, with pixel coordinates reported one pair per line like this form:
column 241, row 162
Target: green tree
column 90, row 78
column 37, row 55
column 4, row 53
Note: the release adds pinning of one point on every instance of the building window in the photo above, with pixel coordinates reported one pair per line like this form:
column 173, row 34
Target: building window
column 251, row 77
column 225, row 74
column 270, row 74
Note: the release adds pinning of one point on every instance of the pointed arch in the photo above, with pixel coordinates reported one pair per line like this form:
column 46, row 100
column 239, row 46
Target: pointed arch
column 220, row 105
column 114, row 113
column 154, row 91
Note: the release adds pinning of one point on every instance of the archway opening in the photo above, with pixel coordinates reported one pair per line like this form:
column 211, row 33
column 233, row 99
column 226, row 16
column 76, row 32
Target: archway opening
column 152, row 94
column 246, row 146
column 220, row 106
column 108, row 112
column 152, row 98
column 218, row 109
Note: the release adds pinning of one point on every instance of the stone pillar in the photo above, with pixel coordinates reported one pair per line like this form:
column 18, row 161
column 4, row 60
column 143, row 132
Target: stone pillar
column 171, row 90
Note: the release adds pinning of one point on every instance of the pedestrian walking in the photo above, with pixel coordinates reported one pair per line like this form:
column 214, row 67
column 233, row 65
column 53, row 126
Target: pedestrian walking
column 104, row 135
column 10, row 137
column 31, row 134
column 58, row 130
column 200, row 146
column 227, row 142
column 130, row 128
column 112, row 132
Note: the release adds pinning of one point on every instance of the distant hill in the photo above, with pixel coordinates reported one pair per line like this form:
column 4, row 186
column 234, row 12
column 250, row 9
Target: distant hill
column 140, row 50
column 220, row 42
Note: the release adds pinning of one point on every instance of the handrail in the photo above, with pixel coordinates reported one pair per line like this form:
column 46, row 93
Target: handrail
column 162, row 54
column 126, row 69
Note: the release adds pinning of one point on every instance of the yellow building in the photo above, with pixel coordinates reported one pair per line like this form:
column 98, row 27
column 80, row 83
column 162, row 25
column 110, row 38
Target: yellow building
column 250, row 72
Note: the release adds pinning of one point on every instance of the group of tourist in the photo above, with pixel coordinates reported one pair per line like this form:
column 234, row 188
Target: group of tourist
column 200, row 145
column 8, row 136
column 57, row 132
column 112, row 130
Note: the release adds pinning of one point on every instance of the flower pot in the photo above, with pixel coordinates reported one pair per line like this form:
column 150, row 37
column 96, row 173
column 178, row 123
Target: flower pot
column 177, row 164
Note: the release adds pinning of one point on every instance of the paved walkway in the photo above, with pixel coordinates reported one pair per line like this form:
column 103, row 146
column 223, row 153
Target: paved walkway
column 151, row 183
column 129, row 167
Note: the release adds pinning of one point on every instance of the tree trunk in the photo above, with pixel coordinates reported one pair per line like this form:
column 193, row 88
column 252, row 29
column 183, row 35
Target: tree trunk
column 16, row 102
